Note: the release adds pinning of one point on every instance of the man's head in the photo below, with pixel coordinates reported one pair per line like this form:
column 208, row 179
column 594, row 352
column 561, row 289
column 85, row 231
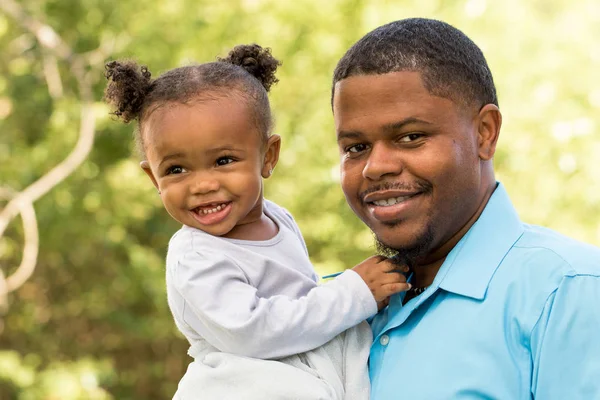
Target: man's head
column 417, row 121
column 451, row 65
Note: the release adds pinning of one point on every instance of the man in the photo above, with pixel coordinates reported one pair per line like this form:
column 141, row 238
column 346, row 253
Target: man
column 498, row 309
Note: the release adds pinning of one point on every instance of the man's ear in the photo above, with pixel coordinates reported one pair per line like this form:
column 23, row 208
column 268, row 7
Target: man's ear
column 271, row 155
column 490, row 121
column 146, row 167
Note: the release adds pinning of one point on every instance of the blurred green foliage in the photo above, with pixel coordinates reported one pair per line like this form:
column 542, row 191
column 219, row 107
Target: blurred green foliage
column 93, row 323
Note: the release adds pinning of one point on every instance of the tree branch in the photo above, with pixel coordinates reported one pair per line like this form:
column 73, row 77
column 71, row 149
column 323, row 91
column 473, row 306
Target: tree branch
column 30, row 250
column 22, row 202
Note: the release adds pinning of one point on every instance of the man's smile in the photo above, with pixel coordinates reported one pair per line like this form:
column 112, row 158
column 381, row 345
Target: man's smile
column 391, row 201
column 393, row 208
column 389, row 196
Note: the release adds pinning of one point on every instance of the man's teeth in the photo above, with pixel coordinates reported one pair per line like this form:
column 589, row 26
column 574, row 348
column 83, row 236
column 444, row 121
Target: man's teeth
column 391, row 202
column 211, row 210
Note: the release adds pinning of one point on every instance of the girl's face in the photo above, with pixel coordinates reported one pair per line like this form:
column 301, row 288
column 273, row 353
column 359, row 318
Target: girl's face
column 207, row 159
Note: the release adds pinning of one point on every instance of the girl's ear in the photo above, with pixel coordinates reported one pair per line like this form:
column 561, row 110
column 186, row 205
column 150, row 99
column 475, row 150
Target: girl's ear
column 146, row 167
column 271, row 155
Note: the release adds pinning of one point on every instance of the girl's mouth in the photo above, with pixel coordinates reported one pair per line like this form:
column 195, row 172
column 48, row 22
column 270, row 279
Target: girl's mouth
column 212, row 213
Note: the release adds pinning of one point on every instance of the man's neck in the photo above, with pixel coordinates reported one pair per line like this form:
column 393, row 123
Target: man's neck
column 425, row 271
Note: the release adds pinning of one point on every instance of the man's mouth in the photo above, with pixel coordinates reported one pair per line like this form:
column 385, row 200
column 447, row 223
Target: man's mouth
column 388, row 207
column 390, row 201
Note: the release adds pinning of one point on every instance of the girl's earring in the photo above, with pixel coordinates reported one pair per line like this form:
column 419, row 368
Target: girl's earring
column 158, row 191
column 271, row 171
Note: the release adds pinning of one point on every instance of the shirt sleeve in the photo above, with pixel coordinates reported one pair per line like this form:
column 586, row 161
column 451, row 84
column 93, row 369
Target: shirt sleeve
column 565, row 343
column 230, row 315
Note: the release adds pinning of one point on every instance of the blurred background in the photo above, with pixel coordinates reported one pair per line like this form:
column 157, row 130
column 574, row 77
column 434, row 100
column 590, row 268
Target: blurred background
column 91, row 321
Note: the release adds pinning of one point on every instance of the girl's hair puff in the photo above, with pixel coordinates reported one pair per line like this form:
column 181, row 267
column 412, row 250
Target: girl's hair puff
column 248, row 72
column 257, row 61
column 127, row 88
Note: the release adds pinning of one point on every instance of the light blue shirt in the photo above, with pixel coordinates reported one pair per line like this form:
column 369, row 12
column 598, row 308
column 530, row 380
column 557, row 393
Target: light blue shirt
column 513, row 313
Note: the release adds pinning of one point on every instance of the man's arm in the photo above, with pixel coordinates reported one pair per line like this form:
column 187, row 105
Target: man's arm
column 565, row 342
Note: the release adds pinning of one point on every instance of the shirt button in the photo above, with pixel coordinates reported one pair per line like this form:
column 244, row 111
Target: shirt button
column 384, row 340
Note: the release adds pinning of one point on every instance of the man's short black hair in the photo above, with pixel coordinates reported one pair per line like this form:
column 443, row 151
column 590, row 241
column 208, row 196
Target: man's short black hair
column 451, row 65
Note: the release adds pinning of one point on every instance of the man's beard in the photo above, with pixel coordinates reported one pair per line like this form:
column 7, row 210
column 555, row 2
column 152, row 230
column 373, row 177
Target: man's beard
column 408, row 256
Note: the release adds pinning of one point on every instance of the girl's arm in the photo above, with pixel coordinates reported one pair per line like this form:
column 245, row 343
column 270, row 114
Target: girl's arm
column 226, row 310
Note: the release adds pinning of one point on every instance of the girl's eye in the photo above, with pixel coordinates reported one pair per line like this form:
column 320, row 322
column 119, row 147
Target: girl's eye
column 224, row 161
column 356, row 148
column 410, row 137
column 174, row 170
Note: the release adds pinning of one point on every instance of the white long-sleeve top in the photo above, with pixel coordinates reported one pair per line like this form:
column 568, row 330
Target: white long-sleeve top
column 259, row 298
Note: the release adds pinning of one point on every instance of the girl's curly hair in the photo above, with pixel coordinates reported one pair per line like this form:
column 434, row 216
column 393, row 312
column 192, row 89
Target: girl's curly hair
column 248, row 70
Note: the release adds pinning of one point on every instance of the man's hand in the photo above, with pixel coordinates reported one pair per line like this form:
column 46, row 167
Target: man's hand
column 383, row 278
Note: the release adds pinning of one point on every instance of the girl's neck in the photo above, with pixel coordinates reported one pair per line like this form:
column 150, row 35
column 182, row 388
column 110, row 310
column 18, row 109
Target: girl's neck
column 263, row 228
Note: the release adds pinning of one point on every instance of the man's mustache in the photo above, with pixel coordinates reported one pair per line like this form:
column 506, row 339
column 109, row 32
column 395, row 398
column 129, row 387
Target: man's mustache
column 417, row 186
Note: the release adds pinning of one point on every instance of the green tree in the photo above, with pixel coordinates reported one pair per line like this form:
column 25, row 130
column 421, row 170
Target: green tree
column 92, row 322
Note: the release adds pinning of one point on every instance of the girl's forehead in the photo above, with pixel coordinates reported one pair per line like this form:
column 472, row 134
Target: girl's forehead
column 201, row 125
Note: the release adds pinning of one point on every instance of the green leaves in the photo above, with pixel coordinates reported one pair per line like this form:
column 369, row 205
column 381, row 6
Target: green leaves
column 96, row 304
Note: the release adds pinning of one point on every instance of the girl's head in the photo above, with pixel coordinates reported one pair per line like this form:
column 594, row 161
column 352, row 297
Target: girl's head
column 205, row 134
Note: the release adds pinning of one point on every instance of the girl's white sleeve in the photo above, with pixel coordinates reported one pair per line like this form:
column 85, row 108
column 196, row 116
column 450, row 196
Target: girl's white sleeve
column 226, row 311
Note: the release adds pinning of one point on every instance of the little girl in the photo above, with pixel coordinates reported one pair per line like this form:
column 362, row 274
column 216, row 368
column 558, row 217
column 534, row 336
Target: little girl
column 239, row 281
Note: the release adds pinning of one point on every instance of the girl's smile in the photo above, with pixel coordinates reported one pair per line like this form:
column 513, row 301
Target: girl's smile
column 212, row 213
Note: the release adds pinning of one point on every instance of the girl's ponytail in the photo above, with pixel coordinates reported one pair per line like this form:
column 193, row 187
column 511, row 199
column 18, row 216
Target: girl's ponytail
column 128, row 85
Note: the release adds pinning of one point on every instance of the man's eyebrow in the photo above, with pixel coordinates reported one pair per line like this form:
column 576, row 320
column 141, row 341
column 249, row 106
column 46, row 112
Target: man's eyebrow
column 348, row 135
column 393, row 126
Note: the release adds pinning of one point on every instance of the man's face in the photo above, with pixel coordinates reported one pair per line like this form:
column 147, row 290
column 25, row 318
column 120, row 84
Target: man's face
column 409, row 160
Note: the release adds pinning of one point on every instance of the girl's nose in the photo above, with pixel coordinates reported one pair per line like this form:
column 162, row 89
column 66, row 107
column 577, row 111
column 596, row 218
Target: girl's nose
column 204, row 183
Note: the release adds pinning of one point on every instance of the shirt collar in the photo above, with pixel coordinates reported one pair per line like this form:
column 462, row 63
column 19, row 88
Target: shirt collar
column 469, row 267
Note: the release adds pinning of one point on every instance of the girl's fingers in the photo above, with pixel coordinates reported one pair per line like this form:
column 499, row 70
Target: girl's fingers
column 393, row 277
column 393, row 288
column 391, row 267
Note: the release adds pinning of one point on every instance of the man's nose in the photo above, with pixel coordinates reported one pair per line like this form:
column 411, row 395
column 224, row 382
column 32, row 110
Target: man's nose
column 204, row 182
column 383, row 160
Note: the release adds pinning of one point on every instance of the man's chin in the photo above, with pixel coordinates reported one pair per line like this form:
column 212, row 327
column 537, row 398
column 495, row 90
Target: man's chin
column 408, row 252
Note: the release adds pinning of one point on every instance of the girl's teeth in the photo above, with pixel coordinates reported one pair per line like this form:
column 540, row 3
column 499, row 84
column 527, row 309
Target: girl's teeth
column 213, row 210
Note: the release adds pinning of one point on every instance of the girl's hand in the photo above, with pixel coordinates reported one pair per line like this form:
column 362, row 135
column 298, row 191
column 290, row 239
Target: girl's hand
column 383, row 278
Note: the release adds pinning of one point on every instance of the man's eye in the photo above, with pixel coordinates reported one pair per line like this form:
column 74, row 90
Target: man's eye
column 356, row 148
column 224, row 161
column 411, row 137
column 176, row 169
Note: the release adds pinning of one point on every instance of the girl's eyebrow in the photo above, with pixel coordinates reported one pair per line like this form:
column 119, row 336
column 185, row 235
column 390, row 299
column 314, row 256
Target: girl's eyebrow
column 170, row 157
column 225, row 149
column 210, row 151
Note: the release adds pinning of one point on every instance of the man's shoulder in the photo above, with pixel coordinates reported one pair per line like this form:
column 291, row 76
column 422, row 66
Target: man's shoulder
column 551, row 248
column 539, row 263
